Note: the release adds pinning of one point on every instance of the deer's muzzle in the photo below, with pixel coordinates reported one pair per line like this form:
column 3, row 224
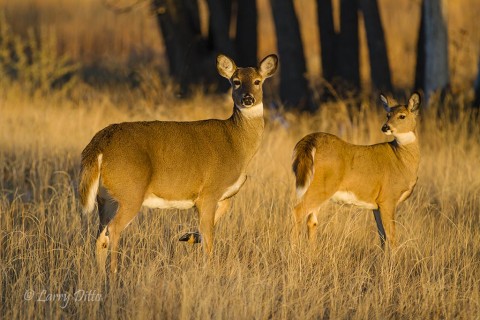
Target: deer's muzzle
column 248, row 100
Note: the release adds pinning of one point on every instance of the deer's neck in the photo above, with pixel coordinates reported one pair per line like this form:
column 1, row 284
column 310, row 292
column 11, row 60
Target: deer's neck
column 407, row 150
column 246, row 127
column 250, row 119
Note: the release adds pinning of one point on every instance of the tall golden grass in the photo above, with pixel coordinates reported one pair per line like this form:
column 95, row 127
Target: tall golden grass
column 255, row 272
column 93, row 34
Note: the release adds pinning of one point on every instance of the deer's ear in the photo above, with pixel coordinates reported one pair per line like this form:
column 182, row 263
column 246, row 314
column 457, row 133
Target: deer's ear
column 268, row 66
column 225, row 66
column 414, row 102
column 385, row 103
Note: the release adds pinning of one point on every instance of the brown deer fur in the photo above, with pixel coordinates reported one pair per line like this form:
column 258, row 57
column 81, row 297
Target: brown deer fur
column 174, row 164
column 376, row 177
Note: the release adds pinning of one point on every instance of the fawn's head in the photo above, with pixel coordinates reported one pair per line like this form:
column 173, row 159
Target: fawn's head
column 247, row 82
column 402, row 119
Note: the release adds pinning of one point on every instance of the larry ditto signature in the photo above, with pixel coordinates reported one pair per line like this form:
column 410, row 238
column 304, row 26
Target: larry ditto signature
column 63, row 298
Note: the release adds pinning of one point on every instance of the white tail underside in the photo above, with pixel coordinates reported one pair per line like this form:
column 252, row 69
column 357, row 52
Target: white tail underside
column 92, row 194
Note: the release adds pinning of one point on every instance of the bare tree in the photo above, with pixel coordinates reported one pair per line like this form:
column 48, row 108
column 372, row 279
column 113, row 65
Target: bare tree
column 339, row 50
column 180, row 27
column 420, row 66
column 377, row 50
column 294, row 90
column 246, row 38
column 432, row 55
column 219, row 26
column 476, row 102
column 190, row 54
column 327, row 38
column 347, row 66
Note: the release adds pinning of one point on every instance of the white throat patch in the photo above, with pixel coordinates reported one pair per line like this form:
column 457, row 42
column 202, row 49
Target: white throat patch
column 93, row 190
column 405, row 138
column 252, row 112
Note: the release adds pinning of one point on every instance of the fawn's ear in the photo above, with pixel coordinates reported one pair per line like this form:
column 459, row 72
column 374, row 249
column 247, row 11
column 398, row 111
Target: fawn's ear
column 225, row 66
column 385, row 103
column 268, row 66
column 414, row 103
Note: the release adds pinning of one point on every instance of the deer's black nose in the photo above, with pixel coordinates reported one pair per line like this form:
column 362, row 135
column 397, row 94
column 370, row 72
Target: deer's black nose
column 385, row 128
column 248, row 100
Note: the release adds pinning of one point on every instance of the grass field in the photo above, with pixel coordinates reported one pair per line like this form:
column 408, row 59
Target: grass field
column 255, row 272
column 91, row 33
column 47, row 265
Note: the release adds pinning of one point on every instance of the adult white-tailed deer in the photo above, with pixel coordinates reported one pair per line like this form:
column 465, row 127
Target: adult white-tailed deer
column 376, row 177
column 160, row 164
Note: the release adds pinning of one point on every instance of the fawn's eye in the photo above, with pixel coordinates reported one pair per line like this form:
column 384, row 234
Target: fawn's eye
column 257, row 82
column 402, row 116
column 236, row 82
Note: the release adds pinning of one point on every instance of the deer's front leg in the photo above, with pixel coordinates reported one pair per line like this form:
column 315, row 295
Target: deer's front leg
column 387, row 215
column 206, row 211
column 381, row 230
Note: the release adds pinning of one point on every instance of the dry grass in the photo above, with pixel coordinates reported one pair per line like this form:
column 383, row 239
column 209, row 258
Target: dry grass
column 88, row 31
column 255, row 272
column 92, row 34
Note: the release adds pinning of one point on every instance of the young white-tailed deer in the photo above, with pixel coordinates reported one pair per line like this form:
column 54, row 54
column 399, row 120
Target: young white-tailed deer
column 376, row 177
column 166, row 164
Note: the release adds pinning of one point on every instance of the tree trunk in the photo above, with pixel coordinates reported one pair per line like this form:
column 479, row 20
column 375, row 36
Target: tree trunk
column 219, row 26
column 294, row 91
column 191, row 57
column 476, row 102
column 327, row 38
column 436, row 47
column 347, row 63
column 435, row 42
column 246, row 38
column 420, row 66
column 179, row 24
column 377, row 50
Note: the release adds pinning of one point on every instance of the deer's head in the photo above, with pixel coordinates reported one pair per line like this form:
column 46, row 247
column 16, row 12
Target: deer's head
column 247, row 82
column 402, row 119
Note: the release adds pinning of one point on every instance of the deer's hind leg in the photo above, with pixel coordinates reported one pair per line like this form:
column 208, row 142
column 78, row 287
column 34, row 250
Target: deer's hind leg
column 222, row 208
column 107, row 208
column 321, row 189
column 125, row 214
column 308, row 207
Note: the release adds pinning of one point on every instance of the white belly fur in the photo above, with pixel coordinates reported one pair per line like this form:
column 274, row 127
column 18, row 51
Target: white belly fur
column 154, row 202
column 348, row 197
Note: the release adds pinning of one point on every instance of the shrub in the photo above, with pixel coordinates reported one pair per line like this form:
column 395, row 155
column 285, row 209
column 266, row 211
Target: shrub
column 34, row 62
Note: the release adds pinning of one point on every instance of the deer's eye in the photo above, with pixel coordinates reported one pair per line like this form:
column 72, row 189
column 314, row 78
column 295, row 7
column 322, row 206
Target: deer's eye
column 402, row 116
column 257, row 82
column 236, row 82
